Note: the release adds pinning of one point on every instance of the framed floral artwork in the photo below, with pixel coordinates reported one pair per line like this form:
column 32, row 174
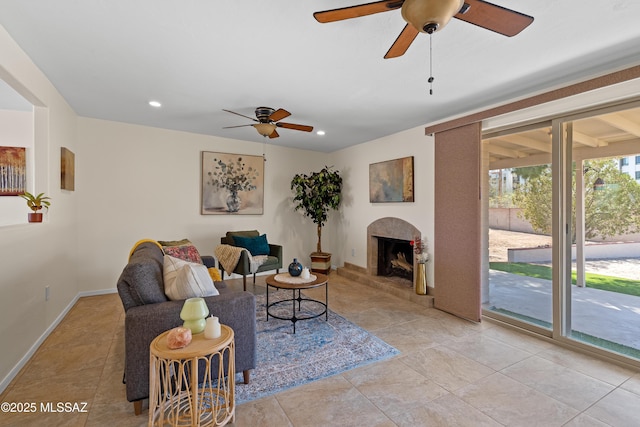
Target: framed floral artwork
column 391, row 181
column 232, row 184
column 13, row 171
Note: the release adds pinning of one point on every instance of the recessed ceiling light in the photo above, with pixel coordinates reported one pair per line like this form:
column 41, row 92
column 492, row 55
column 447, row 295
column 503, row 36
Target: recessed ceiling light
column 155, row 104
column 320, row 132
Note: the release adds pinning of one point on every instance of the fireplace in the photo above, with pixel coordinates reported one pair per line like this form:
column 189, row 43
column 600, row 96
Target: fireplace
column 391, row 229
column 395, row 258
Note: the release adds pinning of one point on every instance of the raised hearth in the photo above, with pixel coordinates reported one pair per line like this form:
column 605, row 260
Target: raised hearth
column 392, row 285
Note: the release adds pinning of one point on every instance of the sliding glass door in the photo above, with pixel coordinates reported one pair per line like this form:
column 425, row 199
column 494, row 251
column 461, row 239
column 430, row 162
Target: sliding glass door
column 562, row 214
column 605, row 223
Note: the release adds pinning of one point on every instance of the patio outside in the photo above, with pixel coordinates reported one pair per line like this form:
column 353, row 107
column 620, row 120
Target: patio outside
column 607, row 319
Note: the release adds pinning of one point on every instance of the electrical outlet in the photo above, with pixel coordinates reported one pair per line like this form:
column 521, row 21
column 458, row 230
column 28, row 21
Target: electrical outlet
column 353, row 251
column 47, row 293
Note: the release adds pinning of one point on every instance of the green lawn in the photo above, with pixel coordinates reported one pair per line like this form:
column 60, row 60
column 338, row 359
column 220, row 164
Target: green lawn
column 596, row 281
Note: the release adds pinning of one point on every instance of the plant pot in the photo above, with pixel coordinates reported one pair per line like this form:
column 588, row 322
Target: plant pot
column 35, row 217
column 321, row 262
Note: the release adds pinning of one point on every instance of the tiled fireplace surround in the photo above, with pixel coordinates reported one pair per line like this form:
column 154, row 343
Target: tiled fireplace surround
column 393, row 228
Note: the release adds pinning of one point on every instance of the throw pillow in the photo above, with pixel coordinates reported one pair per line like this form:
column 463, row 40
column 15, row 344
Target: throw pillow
column 255, row 245
column 174, row 242
column 182, row 249
column 215, row 274
column 246, row 233
column 183, row 279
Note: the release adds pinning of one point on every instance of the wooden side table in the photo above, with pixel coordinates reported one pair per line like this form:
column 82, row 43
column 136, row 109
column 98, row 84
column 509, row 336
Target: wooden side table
column 175, row 398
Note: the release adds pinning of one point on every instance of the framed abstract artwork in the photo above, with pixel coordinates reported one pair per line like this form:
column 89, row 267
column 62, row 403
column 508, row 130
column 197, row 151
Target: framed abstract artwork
column 13, row 171
column 232, row 184
column 67, row 169
column 391, row 181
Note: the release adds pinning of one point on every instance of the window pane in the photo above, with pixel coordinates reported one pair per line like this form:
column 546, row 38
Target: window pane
column 605, row 290
column 519, row 218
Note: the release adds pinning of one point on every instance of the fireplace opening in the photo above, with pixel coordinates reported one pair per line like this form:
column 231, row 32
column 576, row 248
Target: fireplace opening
column 395, row 258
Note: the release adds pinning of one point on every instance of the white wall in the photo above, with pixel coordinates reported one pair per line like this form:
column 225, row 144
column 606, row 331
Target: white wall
column 349, row 226
column 138, row 182
column 33, row 256
column 135, row 182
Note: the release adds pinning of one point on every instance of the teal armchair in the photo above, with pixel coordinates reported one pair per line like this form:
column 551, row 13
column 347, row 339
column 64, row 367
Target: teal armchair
column 273, row 262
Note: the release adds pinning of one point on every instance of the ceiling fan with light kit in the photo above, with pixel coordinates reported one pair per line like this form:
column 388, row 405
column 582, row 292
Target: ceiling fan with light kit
column 430, row 16
column 268, row 119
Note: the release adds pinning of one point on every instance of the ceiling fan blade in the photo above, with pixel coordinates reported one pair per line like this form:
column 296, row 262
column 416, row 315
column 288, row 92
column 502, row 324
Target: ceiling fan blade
column 303, row 128
column 279, row 114
column 274, row 134
column 239, row 126
column 495, row 18
column 357, row 11
column 402, row 43
column 242, row 115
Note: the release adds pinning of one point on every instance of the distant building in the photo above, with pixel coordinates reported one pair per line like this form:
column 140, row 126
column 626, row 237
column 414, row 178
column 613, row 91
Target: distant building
column 631, row 165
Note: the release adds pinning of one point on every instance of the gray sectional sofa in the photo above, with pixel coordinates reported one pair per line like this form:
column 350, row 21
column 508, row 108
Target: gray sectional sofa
column 149, row 313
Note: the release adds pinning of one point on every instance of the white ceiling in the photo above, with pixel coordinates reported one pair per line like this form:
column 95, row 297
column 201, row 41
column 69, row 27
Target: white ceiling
column 108, row 58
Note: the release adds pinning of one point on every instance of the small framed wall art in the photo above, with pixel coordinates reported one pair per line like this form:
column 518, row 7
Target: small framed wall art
column 391, row 181
column 67, row 169
column 13, row 171
column 232, row 184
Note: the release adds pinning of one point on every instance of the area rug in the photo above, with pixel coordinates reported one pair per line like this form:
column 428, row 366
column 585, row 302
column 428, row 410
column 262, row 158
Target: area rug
column 317, row 350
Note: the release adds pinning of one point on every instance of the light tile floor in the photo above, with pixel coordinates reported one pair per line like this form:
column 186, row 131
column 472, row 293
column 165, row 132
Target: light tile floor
column 451, row 373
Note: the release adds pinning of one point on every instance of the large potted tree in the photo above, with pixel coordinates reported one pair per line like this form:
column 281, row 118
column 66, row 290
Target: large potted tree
column 315, row 195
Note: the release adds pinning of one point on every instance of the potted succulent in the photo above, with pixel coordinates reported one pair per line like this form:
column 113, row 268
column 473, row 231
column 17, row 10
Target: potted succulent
column 36, row 203
column 316, row 194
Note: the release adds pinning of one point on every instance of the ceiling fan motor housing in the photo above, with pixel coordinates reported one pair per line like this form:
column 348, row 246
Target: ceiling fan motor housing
column 429, row 16
column 263, row 113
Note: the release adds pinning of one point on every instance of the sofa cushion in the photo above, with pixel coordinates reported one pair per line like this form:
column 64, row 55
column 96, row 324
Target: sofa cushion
column 143, row 275
column 256, row 245
column 270, row 263
column 183, row 279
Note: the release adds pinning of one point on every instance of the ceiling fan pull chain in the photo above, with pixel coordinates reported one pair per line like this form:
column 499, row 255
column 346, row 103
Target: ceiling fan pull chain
column 264, row 148
column 430, row 64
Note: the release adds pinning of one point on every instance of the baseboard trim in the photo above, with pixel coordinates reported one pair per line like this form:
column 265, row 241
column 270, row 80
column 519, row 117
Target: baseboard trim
column 95, row 293
column 23, row 361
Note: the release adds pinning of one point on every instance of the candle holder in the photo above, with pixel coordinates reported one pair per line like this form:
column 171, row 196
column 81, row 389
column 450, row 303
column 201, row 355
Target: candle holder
column 193, row 313
column 212, row 330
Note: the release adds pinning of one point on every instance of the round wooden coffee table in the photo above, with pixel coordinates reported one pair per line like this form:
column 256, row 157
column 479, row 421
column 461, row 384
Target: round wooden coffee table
column 286, row 282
